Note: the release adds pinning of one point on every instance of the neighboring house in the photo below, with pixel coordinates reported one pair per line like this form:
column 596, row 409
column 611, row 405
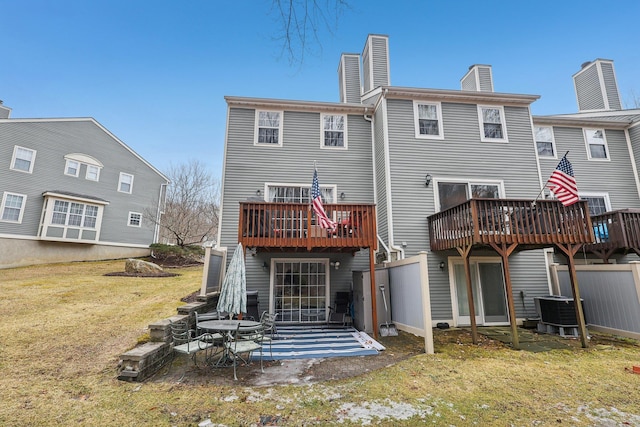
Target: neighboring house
column 72, row 191
column 409, row 153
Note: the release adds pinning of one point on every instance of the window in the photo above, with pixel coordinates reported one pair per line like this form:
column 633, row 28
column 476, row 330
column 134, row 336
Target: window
column 492, row 127
column 135, row 219
column 334, row 131
column 598, row 202
column 298, row 194
column 93, row 173
column 74, row 214
column 544, row 141
column 76, row 160
column 23, row 159
column 427, row 120
column 125, row 184
column 268, row 128
column 453, row 193
column 596, row 144
column 72, row 168
column 300, row 289
column 13, row 207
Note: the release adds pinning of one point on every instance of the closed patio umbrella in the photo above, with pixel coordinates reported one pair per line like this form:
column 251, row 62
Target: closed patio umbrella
column 233, row 296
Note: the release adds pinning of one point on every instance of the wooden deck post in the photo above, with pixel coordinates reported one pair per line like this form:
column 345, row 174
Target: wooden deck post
column 504, row 252
column 570, row 251
column 464, row 253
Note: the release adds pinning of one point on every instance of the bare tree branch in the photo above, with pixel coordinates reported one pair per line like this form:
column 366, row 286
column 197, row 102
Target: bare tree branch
column 302, row 23
column 190, row 214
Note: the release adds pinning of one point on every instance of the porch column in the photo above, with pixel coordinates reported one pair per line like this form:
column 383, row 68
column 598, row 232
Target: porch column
column 374, row 306
column 504, row 252
column 570, row 251
column 464, row 253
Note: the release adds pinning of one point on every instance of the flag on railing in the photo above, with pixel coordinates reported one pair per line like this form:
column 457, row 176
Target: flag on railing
column 323, row 219
column 563, row 184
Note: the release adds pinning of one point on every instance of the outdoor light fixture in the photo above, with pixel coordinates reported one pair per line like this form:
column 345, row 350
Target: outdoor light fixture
column 265, row 266
column 343, row 196
column 336, row 264
column 442, row 264
column 427, row 179
column 258, row 193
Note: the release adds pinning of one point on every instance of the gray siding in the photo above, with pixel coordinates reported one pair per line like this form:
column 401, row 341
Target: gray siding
column 588, row 90
column 610, row 86
column 349, row 78
column 469, row 82
column 376, row 63
column 456, row 157
column 52, row 141
column 614, row 177
column 486, row 81
column 249, row 167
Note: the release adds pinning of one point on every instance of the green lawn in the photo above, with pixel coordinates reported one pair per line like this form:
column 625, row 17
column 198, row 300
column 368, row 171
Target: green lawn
column 64, row 326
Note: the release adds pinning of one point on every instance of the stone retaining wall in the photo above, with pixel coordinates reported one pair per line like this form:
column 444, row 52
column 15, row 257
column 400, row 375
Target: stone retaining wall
column 144, row 360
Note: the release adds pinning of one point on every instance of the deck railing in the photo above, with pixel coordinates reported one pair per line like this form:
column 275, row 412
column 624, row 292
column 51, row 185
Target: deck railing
column 616, row 231
column 485, row 221
column 293, row 226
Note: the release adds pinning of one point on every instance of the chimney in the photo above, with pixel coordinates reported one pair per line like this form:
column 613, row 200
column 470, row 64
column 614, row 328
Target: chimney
column 349, row 78
column 596, row 86
column 375, row 62
column 5, row 112
column 479, row 79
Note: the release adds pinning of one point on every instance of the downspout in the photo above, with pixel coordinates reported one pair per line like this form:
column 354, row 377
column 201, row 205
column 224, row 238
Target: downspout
column 159, row 211
column 393, row 247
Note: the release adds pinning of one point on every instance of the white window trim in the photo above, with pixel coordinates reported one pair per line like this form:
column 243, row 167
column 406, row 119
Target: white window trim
column 605, row 196
column 255, row 130
column 587, row 145
column 120, row 182
column 503, row 122
column 267, row 185
column 129, row 220
column 13, row 159
column 553, row 143
column 469, row 182
column 22, row 208
column 66, row 168
column 416, row 120
column 327, row 147
column 86, row 175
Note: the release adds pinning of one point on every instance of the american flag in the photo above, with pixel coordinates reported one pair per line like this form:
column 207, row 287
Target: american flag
column 563, row 183
column 323, row 219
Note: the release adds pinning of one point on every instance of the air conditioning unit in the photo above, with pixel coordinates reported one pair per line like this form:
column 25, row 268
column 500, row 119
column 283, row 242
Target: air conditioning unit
column 557, row 310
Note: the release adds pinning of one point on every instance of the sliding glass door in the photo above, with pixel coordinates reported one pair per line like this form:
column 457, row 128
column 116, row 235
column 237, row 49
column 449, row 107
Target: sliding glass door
column 489, row 297
column 299, row 290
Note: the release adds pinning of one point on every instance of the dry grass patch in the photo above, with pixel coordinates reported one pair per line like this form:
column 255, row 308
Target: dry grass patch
column 64, row 326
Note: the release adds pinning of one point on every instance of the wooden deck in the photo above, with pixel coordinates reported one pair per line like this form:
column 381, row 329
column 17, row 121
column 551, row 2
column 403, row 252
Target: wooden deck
column 489, row 222
column 615, row 232
column 291, row 227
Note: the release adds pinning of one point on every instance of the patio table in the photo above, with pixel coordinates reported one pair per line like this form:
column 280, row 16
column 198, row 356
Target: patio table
column 226, row 327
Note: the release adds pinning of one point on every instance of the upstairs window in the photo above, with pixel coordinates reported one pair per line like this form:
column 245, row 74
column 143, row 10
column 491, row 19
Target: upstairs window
column 125, row 184
column 427, row 117
column 268, row 128
column 298, row 194
column 23, row 159
column 544, row 141
column 72, row 168
column 334, row 131
column 76, row 161
column 596, row 144
column 12, row 207
column 492, row 126
column 598, row 202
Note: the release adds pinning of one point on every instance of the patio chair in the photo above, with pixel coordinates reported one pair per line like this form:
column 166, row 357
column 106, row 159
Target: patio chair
column 185, row 341
column 245, row 341
column 213, row 315
column 268, row 321
column 339, row 313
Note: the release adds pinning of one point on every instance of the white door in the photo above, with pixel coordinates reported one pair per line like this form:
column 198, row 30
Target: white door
column 489, row 300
